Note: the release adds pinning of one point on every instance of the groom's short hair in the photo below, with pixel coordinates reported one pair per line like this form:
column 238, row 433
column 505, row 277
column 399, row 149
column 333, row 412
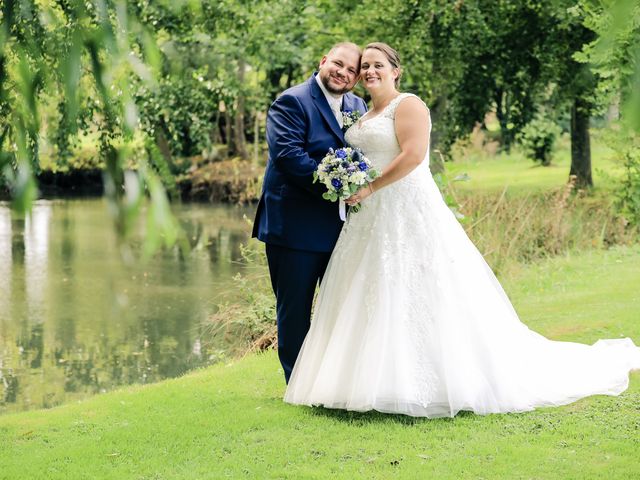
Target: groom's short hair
column 349, row 45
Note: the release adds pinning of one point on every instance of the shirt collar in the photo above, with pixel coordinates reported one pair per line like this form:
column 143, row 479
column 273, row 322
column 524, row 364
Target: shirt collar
column 332, row 98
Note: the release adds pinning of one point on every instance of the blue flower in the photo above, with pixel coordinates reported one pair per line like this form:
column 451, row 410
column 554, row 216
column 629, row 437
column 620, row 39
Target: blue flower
column 340, row 153
column 336, row 183
column 363, row 166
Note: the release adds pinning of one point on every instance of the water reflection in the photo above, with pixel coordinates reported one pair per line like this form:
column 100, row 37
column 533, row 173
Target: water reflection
column 75, row 320
column 6, row 249
column 36, row 244
column 8, row 381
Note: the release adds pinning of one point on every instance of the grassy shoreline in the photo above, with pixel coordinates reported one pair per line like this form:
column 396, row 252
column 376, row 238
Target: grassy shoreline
column 228, row 421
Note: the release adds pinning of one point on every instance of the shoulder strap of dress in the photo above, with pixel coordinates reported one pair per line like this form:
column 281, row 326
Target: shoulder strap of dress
column 391, row 108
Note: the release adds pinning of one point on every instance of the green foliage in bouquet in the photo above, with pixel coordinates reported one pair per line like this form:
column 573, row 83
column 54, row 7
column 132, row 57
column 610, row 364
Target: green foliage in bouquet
column 331, row 196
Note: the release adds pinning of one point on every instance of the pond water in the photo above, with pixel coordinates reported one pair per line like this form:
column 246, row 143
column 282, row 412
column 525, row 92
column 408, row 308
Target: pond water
column 76, row 320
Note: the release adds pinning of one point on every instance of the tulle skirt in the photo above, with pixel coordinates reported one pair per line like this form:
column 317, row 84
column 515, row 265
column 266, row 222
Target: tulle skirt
column 410, row 319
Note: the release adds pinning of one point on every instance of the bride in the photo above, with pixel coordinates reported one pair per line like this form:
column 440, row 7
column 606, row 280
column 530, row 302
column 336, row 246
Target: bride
column 409, row 318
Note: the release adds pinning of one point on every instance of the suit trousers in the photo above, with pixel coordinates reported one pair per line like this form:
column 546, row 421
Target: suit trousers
column 295, row 274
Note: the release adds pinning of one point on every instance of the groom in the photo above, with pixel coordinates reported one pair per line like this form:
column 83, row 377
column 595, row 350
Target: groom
column 299, row 227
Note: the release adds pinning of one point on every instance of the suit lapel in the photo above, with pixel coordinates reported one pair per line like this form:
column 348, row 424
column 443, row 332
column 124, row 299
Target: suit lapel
column 349, row 103
column 346, row 104
column 322, row 105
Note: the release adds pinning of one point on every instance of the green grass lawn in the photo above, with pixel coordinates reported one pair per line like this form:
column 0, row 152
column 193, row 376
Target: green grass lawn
column 228, row 421
column 521, row 175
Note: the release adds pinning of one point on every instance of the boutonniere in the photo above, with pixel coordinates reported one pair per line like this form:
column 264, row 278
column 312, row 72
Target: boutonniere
column 349, row 117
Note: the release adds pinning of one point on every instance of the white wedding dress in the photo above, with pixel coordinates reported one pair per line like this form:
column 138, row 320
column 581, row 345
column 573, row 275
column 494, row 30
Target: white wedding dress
column 410, row 319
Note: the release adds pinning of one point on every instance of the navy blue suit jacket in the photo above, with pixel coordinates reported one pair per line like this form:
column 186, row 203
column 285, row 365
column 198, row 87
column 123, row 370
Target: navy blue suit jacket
column 301, row 128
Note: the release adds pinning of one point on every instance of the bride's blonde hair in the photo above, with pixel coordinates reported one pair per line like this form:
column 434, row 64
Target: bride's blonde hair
column 392, row 56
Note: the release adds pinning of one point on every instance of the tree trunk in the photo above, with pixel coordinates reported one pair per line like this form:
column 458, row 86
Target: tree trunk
column 240, row 141
column 580, row 144
column 228, row 139
column 290, row 76
column 163, row 146
column 437, row 157
column 274, row 77
column 503, row 106
column 256, row 137
column 214, row 133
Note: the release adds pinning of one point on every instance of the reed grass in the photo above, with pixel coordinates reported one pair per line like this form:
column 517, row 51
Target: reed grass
column 510, row 229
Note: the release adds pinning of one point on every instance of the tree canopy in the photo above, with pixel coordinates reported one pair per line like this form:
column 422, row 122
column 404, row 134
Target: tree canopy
column 183, row 77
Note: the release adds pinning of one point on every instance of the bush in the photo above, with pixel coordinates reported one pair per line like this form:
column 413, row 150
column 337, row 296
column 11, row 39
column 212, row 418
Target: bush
column 537, row 139
column 180, row 109
column 628, row 195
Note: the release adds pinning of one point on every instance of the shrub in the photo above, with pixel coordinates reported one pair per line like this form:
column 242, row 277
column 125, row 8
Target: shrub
column 537, row 139
column 628, row 193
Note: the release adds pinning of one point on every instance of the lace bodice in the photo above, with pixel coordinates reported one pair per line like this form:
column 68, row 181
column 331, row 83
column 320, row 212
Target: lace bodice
column 376, row 136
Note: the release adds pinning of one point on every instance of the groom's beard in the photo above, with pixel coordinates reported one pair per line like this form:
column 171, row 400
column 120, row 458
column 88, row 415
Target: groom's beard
column 331, row 89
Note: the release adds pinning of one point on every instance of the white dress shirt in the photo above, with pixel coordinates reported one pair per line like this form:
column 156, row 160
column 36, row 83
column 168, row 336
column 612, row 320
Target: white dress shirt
column 335, row 101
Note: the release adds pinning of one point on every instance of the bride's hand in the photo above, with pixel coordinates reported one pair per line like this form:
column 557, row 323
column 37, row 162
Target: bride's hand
column 360, row 195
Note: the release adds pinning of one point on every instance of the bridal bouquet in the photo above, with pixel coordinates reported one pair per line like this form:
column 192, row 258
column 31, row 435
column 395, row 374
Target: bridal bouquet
column 344, row 171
